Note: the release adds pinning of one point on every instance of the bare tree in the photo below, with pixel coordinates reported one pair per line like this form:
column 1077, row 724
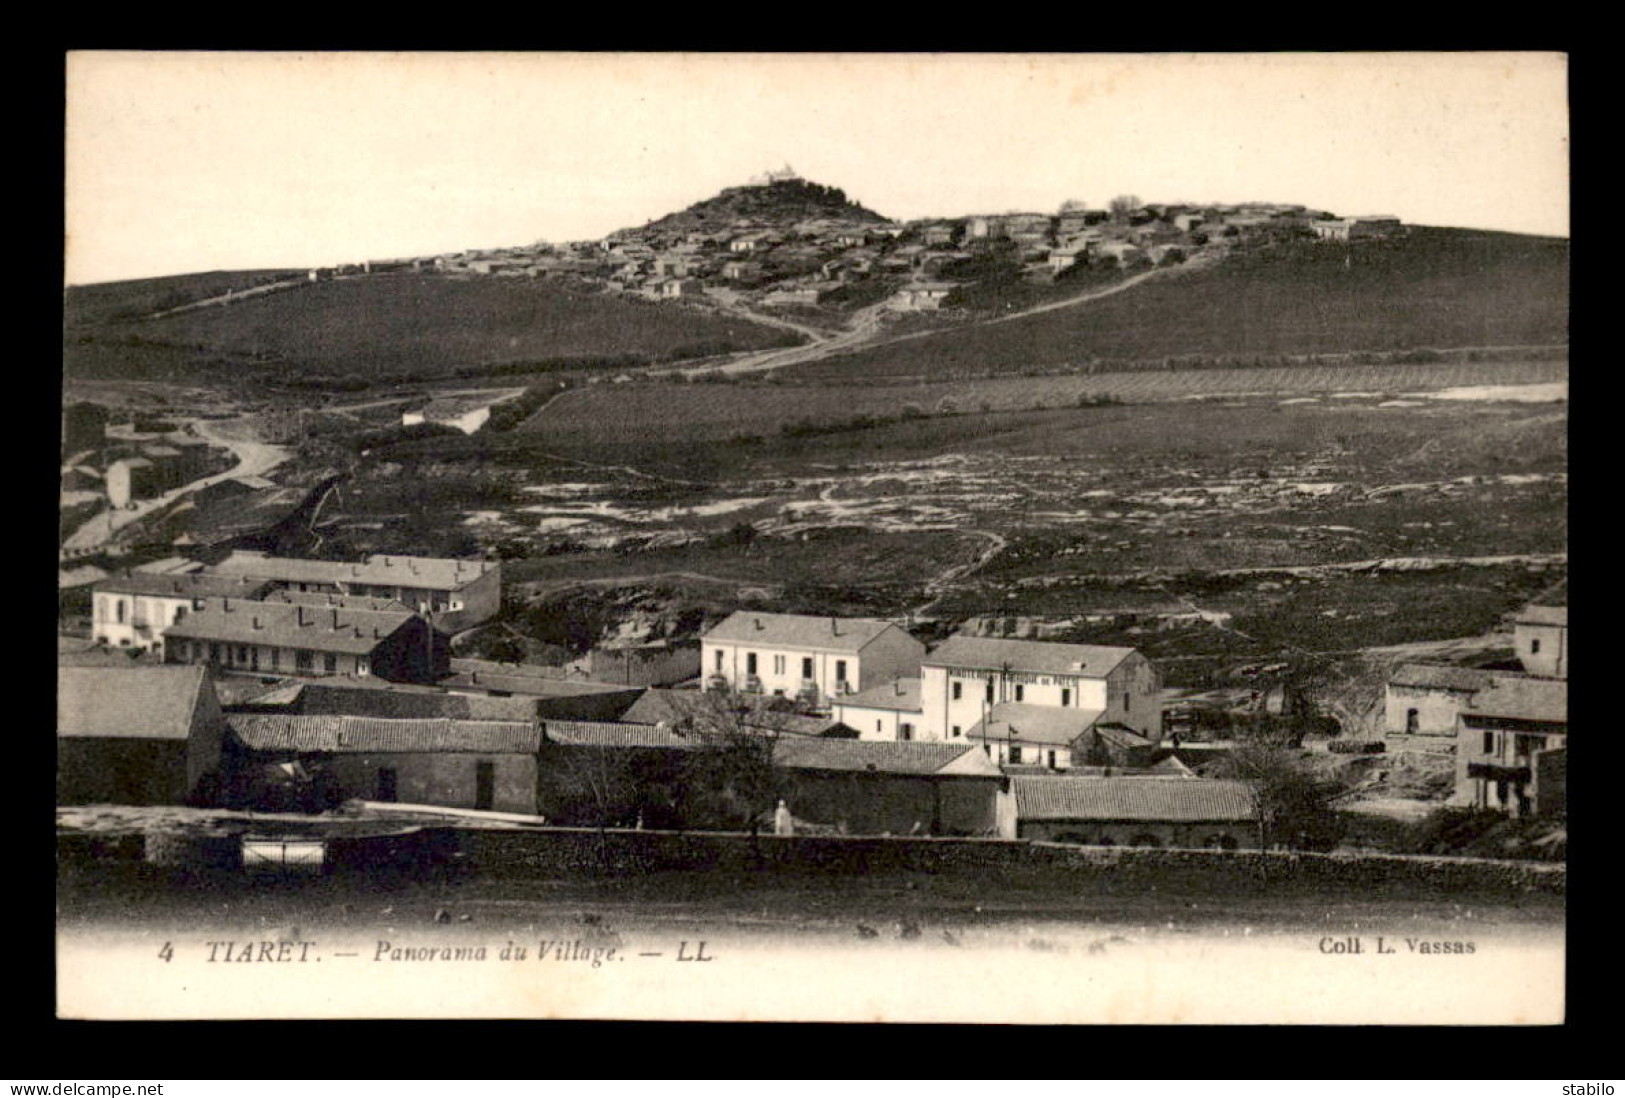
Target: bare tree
column 1296, row 805
column 594, row 784
column 729, row 772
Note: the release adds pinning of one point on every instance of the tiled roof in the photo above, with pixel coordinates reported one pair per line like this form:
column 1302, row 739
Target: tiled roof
column 797, row 631
column 660, row 706
column 881, row 756
column 324, row 598
column 1122, row 735
column 612, row 734
column 289, row 625
column 127, row 702
column 1522, row 699
column 513, row 682
column 900, row 694
column 383, row 569
column 1023, row 723
column 1428, row 676
column 359, row 701
column 196, row 585
column 329, row 733
column 1149, row 800
column 993, row 653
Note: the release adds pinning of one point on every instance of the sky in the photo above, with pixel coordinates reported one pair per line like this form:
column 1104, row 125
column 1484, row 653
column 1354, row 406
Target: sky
column 182, row 162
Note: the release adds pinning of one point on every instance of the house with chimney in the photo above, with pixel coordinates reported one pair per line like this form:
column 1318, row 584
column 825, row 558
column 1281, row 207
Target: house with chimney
column 817, row 659
column 456, row 594
column 136, row 609
column 274, row 637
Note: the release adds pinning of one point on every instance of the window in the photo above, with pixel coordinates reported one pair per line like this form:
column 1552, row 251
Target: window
column 362, row 668
column 877, row 726
column 840, row 670
column 778, row 665
column 905, row 731
column 118, row 609
column 1412, row 721
column 1127, row 700
column 1066, row 698
column 330, row 663
column 806, row 667
column 1015, row 753
column 242, row 653
column 180, row 612
column 254, row 658
column 750, row 663
column 485, row 785
column 276, row 659
column 1534, row 644
column 956, row 730
column 304, row 660
column 989, row 689
column 1020, row 692
column 957, row 691
column 1052, row 760
column 719, row 659
column 1489, row 743
column 987, row 749
column 214, row 652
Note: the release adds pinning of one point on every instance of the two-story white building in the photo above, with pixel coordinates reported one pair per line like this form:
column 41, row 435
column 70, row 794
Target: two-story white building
column 796, row 655
column 890, row 711
column 134, row 610
column 964, row 678
column 1511, row 745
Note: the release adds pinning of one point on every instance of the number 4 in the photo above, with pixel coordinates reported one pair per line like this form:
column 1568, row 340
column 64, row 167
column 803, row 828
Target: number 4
column 167, row 953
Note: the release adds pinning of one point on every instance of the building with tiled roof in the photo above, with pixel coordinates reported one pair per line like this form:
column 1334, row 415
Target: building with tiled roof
column 798, row 655
column 859, row 787
column 890, row 711
column 1424, row 699
column 486, row 765
column 458, row 593
column 135, row 735
column 135, row 610
column 679, row 708
column 292, row 638
column 1502, row 737
column 1177, row 811
column 965, row 676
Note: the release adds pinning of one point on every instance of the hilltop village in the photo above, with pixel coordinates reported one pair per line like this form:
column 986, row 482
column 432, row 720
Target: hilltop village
column 784, row 243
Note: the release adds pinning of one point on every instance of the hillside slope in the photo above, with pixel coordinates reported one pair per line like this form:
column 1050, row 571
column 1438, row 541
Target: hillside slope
column 1434, row 288
column 420, row 324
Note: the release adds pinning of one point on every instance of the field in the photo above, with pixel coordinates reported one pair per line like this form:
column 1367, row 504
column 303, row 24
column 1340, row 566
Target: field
column 413, row 325
column 100, row 302
column 1435, row 288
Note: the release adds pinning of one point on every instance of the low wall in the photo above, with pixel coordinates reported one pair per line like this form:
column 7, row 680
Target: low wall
column 557, row 852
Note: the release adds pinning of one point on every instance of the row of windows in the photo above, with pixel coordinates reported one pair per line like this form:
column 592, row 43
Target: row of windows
column 243, row 655
column 1021, row 694
column 780, row 665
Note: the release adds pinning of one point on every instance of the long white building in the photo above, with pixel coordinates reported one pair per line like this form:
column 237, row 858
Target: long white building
column 796, row 655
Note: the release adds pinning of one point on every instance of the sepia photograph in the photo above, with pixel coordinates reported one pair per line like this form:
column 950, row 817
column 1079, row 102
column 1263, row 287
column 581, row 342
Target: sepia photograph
column 1055, row 538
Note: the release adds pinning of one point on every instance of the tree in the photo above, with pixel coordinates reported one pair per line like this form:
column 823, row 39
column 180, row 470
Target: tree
column 1296, row 805
column 1123, row 205
column 729, row 774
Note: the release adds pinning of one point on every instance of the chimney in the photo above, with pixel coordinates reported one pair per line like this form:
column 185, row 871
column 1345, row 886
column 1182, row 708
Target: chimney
column 257, row 624
column 835, row 626
column 225, row 604
column 335, row 617
column 299, row 614
column 759, row 624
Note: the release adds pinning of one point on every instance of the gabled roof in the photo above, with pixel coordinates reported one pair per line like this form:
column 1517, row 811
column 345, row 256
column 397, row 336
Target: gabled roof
column 1525, row 699
column 661, row 706
column 362, row 701
column 1023, row 723
column 331, row 734
column 902, row 695
column 152, row 703
column 1043, row 657
column 1147, row 800
column 885, row 757
column 797, row 631
column 326, row 598
column 183, row 585
column 1428, row 676
column 290, row 625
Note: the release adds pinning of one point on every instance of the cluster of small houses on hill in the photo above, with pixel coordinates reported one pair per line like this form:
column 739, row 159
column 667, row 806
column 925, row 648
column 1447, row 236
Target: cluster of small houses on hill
column 123, row 464
column 264, row 674
column 776, row 263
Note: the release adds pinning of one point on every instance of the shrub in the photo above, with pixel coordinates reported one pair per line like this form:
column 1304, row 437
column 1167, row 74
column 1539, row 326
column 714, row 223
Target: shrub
column 1357, row 747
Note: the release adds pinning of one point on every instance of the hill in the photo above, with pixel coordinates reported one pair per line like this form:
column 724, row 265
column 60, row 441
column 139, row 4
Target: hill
column 1432, row 288
column 412, row 324
column 780, row 204
column 101, row 302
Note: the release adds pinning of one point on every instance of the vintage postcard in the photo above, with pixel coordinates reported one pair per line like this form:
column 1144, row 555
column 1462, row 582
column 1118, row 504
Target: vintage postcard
column 885, row 537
